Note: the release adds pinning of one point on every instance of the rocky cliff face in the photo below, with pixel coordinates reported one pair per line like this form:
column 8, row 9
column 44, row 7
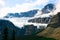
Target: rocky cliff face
column 55, row 22
column 40, row 20
column 53, row 29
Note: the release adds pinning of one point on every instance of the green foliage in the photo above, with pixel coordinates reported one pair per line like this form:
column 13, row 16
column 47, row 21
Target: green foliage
column 5, row 34
column 13, row 35
column 34, row 38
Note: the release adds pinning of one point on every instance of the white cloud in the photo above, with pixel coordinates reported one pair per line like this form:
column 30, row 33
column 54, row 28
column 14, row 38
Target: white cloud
column 20, row 7
column 2, row 2
column 39, row 2
column 57, row 4
column 20, row 22
column 17, row 8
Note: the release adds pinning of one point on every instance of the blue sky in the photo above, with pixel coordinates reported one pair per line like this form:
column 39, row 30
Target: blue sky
column 7, row 6
column 12, row 3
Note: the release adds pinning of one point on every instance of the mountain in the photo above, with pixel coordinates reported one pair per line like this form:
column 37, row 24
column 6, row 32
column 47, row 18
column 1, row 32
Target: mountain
column 53, row 28
column 30, row 13
column 48, row 8
column 6, row 29
column 44, row 15
column 40, row 20
column 10, row 32
column 33, row 16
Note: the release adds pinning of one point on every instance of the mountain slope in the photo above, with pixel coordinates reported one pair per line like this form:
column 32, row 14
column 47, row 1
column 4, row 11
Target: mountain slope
column 43, row 15
column 53, row 29
column 6, row 29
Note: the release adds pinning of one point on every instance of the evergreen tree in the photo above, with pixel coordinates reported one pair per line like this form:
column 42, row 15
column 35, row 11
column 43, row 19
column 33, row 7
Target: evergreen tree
column 13, row 35
column 5, row 34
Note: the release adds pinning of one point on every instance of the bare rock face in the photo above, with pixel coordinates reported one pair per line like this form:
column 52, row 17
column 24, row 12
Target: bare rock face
column 55, row 22
column 53, row 28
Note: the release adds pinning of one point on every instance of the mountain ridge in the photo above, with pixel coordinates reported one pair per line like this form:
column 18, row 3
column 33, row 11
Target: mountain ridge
column 30, row 13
